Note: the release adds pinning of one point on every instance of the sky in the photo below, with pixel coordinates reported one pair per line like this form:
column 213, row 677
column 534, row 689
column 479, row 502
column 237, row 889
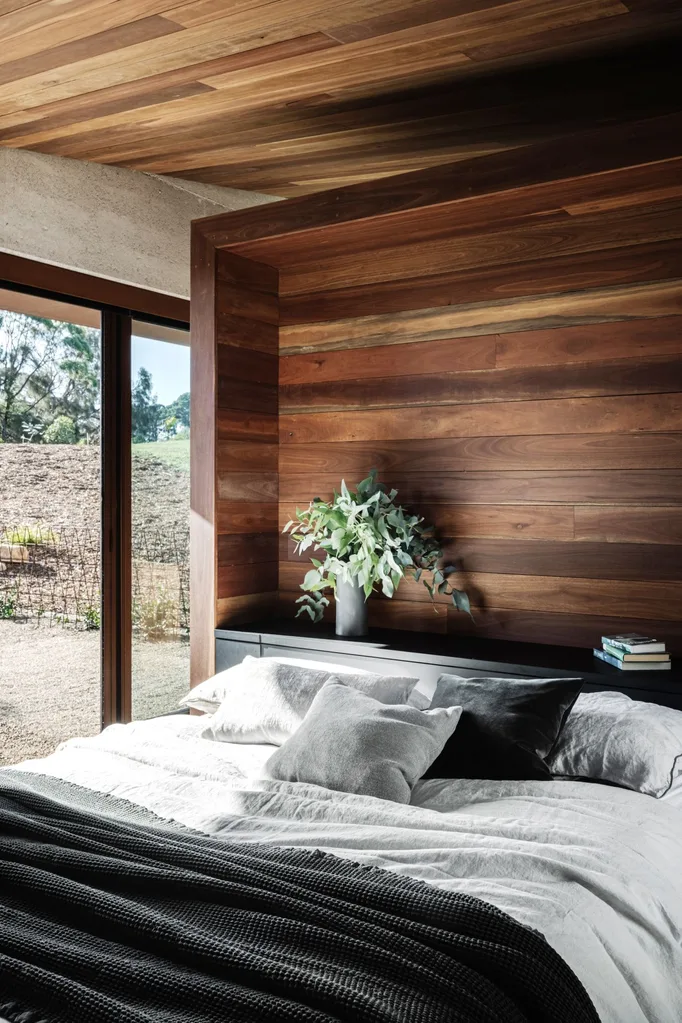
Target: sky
column 168, row 364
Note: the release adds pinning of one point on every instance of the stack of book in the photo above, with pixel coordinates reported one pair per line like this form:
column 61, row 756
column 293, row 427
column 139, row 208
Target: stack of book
column 633, row 652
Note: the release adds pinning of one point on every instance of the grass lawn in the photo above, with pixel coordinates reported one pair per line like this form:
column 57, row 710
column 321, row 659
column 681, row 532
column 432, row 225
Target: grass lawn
column 173, row 452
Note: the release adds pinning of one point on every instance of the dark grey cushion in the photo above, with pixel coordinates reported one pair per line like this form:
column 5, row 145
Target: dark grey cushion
column 352, row 742
column 508, row 726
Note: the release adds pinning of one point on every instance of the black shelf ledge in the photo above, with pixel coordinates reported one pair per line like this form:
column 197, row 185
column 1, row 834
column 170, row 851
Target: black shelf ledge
column 475, row 655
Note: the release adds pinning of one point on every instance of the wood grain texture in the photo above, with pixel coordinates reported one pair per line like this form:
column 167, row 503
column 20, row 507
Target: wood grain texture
column 525, row 312
column 638, row 487
column 623, row 414
column 202, row 461
column 652, row 376
column 463, row 454
column 501, row 339
column 245, row 462
column 296, row 96
column 615, row 524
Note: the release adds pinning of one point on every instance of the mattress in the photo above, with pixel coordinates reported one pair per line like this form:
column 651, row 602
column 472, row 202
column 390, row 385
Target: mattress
column 594, row 868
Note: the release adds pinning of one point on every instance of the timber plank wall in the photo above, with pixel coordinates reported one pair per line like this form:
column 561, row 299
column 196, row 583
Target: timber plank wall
column 508, row 355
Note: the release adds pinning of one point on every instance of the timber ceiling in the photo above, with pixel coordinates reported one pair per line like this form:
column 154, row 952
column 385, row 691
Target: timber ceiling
column 296, row 96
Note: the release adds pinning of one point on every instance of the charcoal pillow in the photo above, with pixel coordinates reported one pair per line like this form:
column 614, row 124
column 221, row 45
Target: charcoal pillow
column 265, row 700
column 353, row 743
column 508, row 726
column 609, row 737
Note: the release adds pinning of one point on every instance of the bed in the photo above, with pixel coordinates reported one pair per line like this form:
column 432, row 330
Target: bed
column 593, row 868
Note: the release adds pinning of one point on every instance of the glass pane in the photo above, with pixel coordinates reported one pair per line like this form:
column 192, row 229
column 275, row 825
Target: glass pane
column 160, row 503
column 50, row 507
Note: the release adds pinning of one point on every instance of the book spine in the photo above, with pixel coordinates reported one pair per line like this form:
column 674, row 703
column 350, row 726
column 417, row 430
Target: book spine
column 613, row 651
column 603, row 656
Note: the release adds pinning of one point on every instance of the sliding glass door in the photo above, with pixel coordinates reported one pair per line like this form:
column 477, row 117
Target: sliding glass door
column 160, row 386
column 94, row 519
column 50, row 536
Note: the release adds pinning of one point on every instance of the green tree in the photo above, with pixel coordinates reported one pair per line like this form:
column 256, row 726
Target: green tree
column 61, row 431
column 180, row 409
column 145, row 409
column 47, row 369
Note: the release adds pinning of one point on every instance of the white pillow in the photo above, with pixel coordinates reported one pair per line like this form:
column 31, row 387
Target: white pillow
column 610, row 737
column 266, row 700
column 208, row 695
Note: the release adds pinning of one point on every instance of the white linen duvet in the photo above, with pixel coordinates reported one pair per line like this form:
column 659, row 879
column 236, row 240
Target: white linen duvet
column 596, row 869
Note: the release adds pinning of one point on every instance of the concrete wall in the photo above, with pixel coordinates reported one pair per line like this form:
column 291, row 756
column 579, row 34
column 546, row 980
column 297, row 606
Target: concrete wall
column 120, row 224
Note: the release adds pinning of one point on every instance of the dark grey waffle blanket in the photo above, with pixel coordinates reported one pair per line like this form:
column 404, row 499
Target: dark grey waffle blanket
column 109, row 914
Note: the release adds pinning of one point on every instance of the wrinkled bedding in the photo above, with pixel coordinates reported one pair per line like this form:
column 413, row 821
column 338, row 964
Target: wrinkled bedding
column 596, row 869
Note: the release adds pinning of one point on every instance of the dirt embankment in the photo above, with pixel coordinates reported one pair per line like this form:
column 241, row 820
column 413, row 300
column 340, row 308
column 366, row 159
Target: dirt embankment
column 59, row 485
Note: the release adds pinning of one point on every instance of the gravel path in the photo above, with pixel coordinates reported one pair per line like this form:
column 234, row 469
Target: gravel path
column 49, row 685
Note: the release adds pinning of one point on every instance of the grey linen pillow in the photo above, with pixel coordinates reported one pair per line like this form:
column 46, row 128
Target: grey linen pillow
column 609, row 737
column 265, row 700
column 353, row 743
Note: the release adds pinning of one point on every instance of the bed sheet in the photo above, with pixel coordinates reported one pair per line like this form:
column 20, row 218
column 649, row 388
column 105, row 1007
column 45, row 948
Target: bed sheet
column 594, row 868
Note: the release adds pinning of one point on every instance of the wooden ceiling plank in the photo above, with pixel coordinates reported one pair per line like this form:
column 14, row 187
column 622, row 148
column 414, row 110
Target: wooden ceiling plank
column 111, row 40
column 129, row 95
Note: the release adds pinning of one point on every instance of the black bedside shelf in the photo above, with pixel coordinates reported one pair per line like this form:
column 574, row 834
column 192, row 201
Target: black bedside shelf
column 400, row 650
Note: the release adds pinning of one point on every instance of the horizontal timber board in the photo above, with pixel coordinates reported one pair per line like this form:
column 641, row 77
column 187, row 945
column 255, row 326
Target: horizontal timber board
column 510, row 555
column 656, row 600
column 240, row 426
column 623, row 186
column 246, row 456
column 378, row 363
column 239, row 300
column 246, row 516
column 242, row 580
column 240, row 331
column 247, row 486
column 458, row 454
column 604, row 269
column 581, row 630
column 540, row 522
column 247, row 608
column 614, row 524
column 500, row 385
column 247, row 548
column 537, row 239
column 596, row 342
column 417, row 491
column 526, row 312
column 626, row 414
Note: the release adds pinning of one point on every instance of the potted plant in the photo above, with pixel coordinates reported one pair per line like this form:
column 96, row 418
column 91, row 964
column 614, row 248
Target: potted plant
column 368, row 541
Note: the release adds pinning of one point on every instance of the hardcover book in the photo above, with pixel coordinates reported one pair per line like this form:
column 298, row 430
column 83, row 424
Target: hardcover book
column 631, row 665
column 633, row 643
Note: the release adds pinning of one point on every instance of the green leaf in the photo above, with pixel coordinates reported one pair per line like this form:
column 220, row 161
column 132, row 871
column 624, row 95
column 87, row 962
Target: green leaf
column 288, row 526
column 461, row 602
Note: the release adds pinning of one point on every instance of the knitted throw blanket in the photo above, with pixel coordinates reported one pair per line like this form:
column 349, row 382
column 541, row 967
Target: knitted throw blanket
column 109, row 915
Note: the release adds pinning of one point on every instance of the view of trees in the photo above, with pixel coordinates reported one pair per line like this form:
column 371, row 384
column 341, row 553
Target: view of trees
column 49, row 374
column 49, row 387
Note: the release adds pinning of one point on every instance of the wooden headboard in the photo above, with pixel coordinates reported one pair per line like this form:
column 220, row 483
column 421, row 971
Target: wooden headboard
column 426, row 657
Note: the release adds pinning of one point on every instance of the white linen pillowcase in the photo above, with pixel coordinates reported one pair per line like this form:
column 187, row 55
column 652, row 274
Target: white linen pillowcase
column 351, row 742
column 610, row 737
column 266, row 700
column 208, row 695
